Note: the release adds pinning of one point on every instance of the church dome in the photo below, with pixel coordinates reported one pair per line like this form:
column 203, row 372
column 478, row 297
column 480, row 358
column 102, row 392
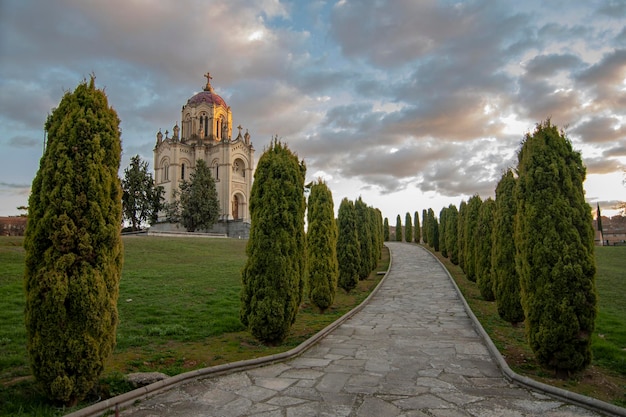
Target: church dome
column 208, row 95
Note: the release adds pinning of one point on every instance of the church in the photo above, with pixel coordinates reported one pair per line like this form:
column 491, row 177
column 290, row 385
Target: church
column 205, row 133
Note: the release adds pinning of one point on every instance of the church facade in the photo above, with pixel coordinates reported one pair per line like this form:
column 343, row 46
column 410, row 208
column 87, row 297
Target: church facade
column 205, row 133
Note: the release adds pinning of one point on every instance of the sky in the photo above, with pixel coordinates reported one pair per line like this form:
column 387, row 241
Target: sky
column 408, row 104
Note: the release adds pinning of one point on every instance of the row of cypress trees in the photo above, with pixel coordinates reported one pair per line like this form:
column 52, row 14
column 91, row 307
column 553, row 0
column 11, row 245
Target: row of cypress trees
column 409, row 234
column 74, row 249
column 531, row 250
column 283, row 260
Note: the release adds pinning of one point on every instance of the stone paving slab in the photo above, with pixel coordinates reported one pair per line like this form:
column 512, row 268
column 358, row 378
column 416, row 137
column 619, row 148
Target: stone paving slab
column 412, row 351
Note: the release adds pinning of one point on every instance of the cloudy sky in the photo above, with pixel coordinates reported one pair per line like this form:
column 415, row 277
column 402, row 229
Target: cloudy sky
column 409, row 104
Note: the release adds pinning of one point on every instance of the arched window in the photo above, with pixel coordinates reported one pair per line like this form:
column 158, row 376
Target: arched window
column 182, row 172
column 166, row 171
column 239, row 168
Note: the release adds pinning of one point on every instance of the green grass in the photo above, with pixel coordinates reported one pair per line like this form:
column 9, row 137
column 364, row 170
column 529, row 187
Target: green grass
column 605, row 379
column 609, row 339
column 179, row 311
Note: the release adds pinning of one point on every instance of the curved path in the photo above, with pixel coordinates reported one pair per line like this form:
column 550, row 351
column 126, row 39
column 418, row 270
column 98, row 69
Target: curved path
column 411, row 351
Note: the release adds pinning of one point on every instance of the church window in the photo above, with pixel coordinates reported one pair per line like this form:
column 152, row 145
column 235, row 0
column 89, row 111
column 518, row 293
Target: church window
column 182, row 172
column 239, row 168
column 166, row 172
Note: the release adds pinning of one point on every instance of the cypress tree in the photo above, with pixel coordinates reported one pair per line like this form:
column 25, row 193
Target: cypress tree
column 425, row 226
column 398, row 229
column 348, row 246
column 471, row 223
column 378, row 217
column 461, row 234
column 505, row 278
column 273, row 276
column 364, row 232
column 417, row 232
column 452, row 242
column 442, row 232
column 73, row 246
column 199, row 205
column 374, row 237
column 483, row 241
column 408, row 228
column 433, row 230
column 322, row 246
column 386, row 229
column 554, row 241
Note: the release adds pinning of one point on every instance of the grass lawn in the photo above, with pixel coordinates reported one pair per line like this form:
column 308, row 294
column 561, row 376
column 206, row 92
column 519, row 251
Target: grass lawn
column 179, row 311
column 605, row 379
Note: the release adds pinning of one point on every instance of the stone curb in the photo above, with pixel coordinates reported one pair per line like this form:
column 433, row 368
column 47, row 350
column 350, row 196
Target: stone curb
column 129, row 398
column 590, row 403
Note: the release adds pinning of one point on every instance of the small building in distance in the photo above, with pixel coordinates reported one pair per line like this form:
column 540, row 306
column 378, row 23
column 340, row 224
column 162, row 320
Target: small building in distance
column 205, row 133
column 613, row 231
column 13, row 225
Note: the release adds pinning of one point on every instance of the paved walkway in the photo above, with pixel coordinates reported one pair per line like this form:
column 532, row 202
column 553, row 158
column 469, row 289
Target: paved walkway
column 412, row 351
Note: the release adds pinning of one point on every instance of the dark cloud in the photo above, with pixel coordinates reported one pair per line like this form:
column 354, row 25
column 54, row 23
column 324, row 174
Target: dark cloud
column 543, row 66
column 615, row 9
column 600, row 129
column 617, row 151
column 610, row 70
column 601, row 165
column 23, row 141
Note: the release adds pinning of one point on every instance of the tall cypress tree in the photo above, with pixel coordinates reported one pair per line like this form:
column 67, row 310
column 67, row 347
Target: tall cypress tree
column 442, row 232
column 378, row 217
column 483, row 241
column 460, row 225
column 555, row 250
column 398, row 229
column 417, row 232
column 408, row 228
column 425, row 225
column 322, row 247
column 73, row 246
column 374, row 237
column 506, row 284
column 364, row 232
column 471, row 223
column 433, row 230
column 452, row 242
column 273, row 276
column 386, row 229
column 348, row 246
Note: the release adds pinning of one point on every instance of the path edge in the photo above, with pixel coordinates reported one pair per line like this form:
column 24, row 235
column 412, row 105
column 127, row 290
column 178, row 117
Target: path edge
column 589, row 403
column 129, row 398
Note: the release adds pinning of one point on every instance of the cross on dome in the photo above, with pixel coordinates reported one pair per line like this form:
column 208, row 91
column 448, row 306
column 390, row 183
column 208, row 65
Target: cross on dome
column 208, row 82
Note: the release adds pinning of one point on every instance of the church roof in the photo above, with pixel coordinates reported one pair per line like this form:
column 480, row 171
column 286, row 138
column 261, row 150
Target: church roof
column 208, row 95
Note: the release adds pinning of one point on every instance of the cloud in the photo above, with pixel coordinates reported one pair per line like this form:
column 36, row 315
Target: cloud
column 544, row 66
column 14, row 186
column 614, row 9
column 600, row 129
column 23, row 141
column 602, row 165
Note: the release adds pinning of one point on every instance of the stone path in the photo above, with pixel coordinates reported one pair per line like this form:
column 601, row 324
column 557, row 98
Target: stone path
column 412, row 351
